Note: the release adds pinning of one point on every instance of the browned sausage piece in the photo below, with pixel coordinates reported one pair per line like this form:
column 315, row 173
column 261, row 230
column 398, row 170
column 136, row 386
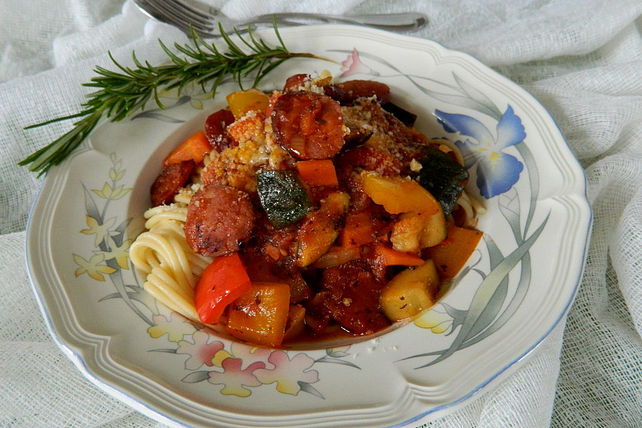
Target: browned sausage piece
column 295, row 81
column 308, row 125
column 353, row 300
column 348, row 92
column 219, row 218
column 169, row 182
column 215, row 129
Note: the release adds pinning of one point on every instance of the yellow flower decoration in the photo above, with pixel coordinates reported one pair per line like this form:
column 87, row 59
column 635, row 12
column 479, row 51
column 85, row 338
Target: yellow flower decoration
column 118, row 253
column 101, row 231
column 109, row 192
column 219, row 357
column 438, row 322
column 175, row 327
column 92, row 267
column 115, row 174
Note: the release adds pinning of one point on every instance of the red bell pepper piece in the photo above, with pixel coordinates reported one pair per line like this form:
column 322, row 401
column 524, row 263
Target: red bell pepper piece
column 222, row 282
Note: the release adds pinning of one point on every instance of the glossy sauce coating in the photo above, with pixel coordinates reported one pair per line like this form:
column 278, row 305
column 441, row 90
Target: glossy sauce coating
column 308, row 125
column 353, row 297
column 348, row 92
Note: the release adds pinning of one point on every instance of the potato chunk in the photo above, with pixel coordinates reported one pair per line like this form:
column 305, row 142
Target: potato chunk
column 418, row 230
column 320, row 228
column 410, row 292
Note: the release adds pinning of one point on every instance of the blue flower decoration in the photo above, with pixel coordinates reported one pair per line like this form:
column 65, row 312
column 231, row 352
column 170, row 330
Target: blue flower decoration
column 497, row 171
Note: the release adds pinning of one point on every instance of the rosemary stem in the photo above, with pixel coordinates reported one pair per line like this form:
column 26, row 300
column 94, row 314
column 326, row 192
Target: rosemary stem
column 119, row 93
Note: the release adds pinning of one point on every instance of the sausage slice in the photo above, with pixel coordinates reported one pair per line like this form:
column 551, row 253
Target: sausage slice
column 169, row 182
column 308, row 125
column 215, row 128
column 219, row 218
column 348, row 92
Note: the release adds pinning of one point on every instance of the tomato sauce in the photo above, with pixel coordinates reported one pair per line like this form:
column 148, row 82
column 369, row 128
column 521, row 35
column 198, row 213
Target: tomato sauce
column 332, row 244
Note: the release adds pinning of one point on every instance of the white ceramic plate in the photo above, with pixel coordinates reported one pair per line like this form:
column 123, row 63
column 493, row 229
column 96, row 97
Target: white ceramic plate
column 515, row 289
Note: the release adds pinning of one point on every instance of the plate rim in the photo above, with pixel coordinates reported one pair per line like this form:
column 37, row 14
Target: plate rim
column 76, row 356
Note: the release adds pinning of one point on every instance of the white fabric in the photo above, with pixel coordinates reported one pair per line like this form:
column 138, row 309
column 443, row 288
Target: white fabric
column 240, row 9
column 583, row 60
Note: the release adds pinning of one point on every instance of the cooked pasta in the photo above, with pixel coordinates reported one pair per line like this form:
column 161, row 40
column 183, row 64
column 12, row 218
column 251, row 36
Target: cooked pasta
column 161, row 254
column 472, row 207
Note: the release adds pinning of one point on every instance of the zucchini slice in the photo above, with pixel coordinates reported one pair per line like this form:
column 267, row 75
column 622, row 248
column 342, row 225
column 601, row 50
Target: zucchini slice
column 443, row 177
column 321, row 228
column 282, row 196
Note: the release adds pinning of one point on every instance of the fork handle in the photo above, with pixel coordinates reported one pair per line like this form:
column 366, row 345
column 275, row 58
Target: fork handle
column 392, row 21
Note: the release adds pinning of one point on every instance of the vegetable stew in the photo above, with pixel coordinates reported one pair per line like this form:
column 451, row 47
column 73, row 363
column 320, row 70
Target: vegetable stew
column 321, row 209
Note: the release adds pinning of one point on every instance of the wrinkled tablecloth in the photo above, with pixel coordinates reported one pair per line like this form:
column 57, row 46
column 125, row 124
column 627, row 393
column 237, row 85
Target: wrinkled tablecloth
column 582, row 60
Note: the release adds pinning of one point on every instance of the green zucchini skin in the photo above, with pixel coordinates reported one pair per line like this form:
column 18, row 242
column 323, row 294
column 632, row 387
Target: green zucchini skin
column 283, row 197
column 443, row 177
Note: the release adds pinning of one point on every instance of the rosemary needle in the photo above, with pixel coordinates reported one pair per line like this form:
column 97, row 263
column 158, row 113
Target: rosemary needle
column 119, row 93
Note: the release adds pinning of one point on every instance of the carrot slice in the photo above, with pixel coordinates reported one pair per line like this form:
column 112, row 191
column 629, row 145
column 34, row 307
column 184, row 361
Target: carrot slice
column 194, row 148
column 389, row 257
column 318, row 172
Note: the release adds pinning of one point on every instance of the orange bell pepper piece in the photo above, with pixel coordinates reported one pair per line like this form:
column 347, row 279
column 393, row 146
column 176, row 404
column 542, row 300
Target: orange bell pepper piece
column 260, row 315
column 242, row 102
column 451, row 254
column 390, row 257
column 398, row 194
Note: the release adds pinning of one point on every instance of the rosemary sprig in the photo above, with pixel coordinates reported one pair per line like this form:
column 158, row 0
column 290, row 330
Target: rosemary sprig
column 120, row 93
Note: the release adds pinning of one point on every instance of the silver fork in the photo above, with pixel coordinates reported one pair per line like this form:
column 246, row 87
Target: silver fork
column 204, row 19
